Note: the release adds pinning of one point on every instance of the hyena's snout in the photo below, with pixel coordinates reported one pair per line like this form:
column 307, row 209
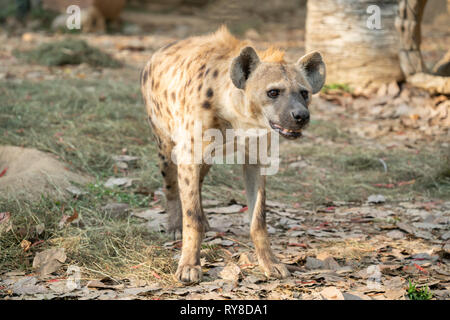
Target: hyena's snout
column 300, row 116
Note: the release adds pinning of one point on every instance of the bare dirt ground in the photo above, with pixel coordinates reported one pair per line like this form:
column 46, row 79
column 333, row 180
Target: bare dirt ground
column 369, row 243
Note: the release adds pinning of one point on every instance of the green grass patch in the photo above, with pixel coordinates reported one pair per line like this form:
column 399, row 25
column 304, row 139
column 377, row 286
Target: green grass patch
column 69, row 51
column 415, row 293
column 336, row 87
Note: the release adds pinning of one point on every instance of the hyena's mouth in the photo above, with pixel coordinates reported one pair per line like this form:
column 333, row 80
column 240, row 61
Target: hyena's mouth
column 287, row 133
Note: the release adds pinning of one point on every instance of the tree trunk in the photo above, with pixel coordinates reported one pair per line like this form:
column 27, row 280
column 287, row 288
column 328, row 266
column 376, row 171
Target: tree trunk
column 354, row 53
column 407, row 23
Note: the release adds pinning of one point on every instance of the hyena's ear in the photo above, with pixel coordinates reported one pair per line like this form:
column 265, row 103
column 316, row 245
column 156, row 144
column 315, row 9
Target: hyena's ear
column 313, row 69
column 243, row 65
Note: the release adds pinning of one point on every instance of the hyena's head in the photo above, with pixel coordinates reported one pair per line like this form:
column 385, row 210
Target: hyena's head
column 278, row 93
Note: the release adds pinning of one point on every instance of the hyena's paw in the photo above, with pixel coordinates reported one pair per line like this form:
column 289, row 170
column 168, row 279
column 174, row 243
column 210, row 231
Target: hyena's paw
column 276, row 270
column 189, row 274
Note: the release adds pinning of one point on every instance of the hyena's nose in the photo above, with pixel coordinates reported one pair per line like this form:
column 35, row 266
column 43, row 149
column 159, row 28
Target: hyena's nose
column 300, row 116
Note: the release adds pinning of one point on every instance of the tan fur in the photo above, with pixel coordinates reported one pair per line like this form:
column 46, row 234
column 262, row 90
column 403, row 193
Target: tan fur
column 190, row 80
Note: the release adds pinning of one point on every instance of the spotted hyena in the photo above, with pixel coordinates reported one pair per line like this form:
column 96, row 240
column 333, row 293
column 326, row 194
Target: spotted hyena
column 224, row 83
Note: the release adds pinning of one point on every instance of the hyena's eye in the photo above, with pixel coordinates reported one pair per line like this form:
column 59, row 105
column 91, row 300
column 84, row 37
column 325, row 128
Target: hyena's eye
column 304, row 94
column 273, row 93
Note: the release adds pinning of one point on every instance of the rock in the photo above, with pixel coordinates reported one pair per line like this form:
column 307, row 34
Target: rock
column 427, row 226
column 446, row 248
column 331, row 264
column 332, row 293
column 313, row 263
column 235, row 208
column 210, row 203
column 149, row 214
column 116, row 210
column 395, row 234
column 32, row 173
column 28, row 286
column 446, row 236
column 129, row 161
column 405, row 227
column 376, row 198
column 231, row 272
column 393, row 89
column 298, row 164
column 75, row 191
column 246, row 258
column 118, row 182
column 349, row 296
column 382, row 90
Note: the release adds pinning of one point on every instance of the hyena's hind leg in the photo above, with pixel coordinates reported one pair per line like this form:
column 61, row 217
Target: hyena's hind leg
column 170, row 176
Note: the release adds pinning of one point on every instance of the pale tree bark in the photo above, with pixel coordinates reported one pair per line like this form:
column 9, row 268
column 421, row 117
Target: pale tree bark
column 408, row 24
column 358, row 55
column 354, row 53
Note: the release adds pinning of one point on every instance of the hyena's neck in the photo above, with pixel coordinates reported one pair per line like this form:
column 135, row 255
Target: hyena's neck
column 233, row 107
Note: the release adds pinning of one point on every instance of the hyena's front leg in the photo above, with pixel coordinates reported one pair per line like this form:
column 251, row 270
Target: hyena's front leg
column 256, row 196
column 194, row 223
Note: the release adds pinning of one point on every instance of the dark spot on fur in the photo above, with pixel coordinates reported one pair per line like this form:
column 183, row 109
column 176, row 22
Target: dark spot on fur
column 145, row 77
column 189, row 213
column 216, row 73
column 209, row 93
column 169, row 45
column 206, row 105
column 163, row 173
column 206, row 72
column 202, row 67
column 186, row 180
column 200, row 75
column 200, row 87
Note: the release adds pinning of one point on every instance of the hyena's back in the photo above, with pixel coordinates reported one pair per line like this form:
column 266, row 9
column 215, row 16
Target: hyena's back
column 182, row 80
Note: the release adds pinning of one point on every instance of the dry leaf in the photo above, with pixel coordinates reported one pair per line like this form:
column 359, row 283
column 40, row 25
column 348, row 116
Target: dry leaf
column 50, row 260
column 231, row 272
column 25, row 245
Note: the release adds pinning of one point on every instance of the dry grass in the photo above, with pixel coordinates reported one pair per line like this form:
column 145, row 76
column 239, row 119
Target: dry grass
column 84, row 123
